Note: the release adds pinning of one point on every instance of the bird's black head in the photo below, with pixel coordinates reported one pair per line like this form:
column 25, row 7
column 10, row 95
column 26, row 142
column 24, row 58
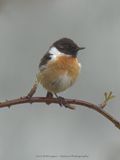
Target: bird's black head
column 67, row 46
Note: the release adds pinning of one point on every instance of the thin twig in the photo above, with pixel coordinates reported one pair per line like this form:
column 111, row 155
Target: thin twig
column 26, row 99
column 32, row 91
column 107, row 97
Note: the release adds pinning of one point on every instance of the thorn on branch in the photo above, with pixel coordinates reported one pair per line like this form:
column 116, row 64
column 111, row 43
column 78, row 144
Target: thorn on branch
column 8, row 104
column 29, row 98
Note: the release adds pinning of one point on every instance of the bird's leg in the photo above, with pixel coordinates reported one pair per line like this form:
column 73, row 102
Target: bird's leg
column 61, row 99
column 49, row 95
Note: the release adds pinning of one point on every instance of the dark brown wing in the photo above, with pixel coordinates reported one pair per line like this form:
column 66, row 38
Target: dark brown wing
column 45, row 59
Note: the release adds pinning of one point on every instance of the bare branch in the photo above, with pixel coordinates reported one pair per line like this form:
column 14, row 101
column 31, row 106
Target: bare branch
column 30, row 99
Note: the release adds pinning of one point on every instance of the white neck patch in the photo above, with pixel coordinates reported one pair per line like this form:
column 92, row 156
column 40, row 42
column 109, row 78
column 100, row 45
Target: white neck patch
column 55, row 53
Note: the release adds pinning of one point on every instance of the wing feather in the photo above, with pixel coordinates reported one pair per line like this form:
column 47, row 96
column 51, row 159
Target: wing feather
column 44, row 60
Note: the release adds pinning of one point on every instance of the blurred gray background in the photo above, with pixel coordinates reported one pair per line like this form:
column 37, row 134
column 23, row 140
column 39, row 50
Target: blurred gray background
column 27, row 29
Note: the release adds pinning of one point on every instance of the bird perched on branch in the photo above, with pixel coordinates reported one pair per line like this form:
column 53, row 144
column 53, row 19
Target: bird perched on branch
column 59, row 67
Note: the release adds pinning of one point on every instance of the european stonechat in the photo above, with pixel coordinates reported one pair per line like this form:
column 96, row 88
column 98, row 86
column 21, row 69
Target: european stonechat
column 59, row 67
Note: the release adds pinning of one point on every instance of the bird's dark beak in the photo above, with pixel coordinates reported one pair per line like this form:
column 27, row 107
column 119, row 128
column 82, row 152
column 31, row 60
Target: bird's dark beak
column 81, row 48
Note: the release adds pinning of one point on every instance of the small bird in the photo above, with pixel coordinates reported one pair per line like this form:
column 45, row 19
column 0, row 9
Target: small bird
column 59, row 67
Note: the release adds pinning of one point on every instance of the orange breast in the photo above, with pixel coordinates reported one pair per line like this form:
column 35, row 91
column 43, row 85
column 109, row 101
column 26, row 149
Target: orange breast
column 63, row 65
column 66, row 64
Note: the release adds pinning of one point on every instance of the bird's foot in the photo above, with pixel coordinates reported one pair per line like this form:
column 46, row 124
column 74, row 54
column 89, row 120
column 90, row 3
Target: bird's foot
column 49, row 95
column 60, row 99
column 62, row 102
